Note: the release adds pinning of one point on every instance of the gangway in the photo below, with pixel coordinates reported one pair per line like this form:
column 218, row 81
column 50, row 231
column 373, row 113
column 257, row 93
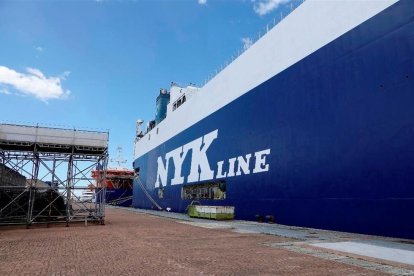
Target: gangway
column 43, row 172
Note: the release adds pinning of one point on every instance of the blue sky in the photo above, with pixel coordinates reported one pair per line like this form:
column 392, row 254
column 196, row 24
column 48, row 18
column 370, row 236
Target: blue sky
column 91, row 64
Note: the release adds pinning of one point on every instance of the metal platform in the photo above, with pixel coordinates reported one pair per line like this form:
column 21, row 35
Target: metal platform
column 43, row 172
column 21, row 138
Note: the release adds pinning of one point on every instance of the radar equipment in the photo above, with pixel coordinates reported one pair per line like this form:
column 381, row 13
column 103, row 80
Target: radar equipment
column 139, row 133
column 119, row 158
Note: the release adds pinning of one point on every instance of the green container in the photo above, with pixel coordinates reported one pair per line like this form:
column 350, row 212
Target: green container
column 211, row 212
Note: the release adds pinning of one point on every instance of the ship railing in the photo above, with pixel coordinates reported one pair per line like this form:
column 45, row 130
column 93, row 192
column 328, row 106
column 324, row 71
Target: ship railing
column 276, row 20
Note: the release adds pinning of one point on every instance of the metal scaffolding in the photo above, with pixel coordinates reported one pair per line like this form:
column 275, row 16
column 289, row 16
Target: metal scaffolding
column 44, row 173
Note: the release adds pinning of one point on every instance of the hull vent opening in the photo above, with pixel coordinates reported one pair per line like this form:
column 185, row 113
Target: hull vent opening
column 211, row 190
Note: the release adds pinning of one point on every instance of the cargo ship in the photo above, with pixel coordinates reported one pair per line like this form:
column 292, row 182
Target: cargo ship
column 313, row 125
column 118, row 181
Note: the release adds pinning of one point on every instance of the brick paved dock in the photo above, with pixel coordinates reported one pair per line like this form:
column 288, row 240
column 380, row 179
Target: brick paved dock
column 141, row 244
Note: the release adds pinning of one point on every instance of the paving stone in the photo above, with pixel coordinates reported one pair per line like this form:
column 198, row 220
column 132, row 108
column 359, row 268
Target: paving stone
column 141, row 244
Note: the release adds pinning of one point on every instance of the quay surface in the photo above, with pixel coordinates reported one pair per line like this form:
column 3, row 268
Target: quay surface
column 138, row 242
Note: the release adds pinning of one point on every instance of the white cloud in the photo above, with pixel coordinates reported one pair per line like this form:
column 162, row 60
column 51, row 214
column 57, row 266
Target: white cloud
column 202, row 2
column 39, row 49
column 263, row 7
column 64, row 75
column 247, row 42
column 34, row 83
column 4, row 91
column 35, row 72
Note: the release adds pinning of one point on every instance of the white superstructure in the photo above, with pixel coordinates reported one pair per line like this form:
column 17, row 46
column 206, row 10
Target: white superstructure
column 179, row 95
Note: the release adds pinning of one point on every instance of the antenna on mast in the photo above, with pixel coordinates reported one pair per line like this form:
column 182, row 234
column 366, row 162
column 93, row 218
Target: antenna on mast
column 119, row 158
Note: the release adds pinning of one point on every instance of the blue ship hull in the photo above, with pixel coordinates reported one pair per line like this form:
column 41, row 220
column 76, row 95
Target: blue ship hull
column 340, row 128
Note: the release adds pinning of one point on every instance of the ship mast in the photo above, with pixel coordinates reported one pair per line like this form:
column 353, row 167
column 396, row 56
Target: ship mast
column 119, row 158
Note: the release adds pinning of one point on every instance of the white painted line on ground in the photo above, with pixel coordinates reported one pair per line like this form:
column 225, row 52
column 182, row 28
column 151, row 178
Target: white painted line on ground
column 374, row 251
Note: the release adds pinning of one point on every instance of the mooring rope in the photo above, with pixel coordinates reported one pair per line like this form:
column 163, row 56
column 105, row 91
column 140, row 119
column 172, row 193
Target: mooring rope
column 147, row 194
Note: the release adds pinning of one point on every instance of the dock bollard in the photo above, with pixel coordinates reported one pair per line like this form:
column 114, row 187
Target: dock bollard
column 270, row 219
column 259, row 218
